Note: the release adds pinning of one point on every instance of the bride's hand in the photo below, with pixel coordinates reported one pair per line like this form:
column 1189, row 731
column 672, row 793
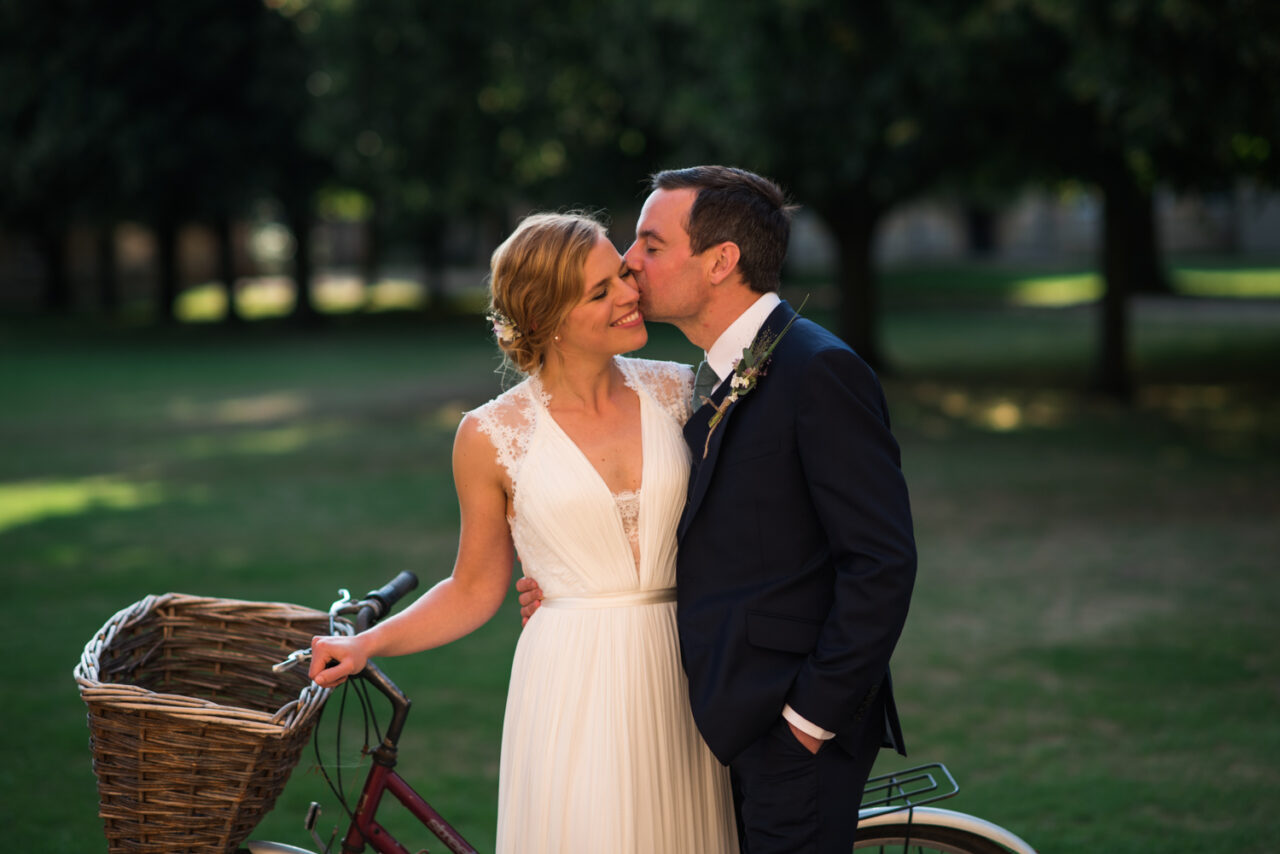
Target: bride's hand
column 333, row 659
column 530, row 598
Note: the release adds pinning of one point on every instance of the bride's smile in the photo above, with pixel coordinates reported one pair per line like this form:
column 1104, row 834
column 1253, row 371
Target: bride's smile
column 630, row 320
column 607, row 318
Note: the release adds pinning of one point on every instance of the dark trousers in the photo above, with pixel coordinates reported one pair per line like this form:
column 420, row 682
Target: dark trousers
column 790, row 800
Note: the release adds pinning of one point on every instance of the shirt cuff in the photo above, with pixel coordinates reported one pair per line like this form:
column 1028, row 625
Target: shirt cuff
column 805, row 726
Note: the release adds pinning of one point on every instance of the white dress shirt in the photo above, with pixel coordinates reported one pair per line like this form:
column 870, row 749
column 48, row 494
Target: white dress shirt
column 720, row 358
column 729, row 346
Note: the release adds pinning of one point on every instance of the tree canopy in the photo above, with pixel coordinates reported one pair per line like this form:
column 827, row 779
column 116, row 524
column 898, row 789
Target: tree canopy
column 169, row 112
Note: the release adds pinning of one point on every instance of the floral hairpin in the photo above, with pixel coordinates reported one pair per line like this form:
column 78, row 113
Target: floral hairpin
column 504, row 329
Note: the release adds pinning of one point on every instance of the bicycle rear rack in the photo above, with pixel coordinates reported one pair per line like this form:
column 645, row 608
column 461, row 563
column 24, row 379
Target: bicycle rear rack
column 907, row 789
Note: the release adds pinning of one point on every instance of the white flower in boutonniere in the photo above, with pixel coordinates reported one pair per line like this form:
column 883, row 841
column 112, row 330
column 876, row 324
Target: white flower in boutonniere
column 503, row 328
column 747, row 372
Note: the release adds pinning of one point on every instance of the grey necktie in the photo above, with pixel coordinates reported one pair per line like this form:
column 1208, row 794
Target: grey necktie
column 704, row 382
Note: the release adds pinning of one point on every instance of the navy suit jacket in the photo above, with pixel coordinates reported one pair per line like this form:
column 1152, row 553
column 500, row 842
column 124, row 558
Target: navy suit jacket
column 796, row 558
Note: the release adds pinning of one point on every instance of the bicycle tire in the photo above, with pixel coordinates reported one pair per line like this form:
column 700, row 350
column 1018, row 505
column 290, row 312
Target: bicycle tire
column 924, row 839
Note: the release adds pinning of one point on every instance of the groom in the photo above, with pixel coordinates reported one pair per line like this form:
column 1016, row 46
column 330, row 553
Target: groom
column 796, row 555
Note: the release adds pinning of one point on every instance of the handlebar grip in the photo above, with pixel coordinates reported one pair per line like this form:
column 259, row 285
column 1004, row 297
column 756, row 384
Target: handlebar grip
column 393, row 591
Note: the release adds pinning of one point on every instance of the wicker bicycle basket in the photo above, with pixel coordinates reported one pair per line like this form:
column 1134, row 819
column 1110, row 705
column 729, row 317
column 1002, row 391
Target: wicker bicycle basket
column 193, row 736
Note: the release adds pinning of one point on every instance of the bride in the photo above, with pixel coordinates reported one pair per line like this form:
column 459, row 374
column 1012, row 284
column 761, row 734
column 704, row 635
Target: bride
column 582, row 469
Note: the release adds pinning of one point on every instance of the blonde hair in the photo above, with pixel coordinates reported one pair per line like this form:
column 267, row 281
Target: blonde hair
column 535, row 279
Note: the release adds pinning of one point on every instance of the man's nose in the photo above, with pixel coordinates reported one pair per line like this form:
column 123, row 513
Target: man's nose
column 631, row 257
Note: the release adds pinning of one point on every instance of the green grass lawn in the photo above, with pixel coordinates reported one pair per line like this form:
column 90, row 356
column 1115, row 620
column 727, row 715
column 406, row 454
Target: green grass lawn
column 1091, row 645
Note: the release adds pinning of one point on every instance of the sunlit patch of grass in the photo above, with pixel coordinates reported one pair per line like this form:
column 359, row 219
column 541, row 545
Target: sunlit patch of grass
column 279, row 440
column 1074, row 289
column 395, row 295
column 1231, row 418
column 995, row 410
column 25, row 502
column 1229, row 283
column 265, row 297
column 257, row 298
column 1051, row 291
column 336, row 294
column 257, row 409
column 339, row 294
column 202, row 304
column 1224, row 278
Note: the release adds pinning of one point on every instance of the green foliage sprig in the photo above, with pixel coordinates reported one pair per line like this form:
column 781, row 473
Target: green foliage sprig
column 747, row 372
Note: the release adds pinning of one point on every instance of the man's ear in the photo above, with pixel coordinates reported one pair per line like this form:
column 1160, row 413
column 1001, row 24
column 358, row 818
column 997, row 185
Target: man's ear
column 724, row 258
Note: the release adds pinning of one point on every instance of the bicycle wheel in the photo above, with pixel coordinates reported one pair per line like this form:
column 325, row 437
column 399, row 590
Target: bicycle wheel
column 924, row 839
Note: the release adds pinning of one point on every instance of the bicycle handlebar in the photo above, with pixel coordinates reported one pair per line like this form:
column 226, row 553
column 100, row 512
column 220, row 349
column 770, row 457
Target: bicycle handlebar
column 373, row 607
column 390, row 593
column 377, row 603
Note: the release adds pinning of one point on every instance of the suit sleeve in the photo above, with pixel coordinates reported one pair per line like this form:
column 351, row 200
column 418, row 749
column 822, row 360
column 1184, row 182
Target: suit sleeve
column 852, row 467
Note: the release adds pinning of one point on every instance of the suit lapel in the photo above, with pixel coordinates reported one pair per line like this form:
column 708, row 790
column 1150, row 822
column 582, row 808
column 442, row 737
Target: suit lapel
column 695, row 434
column 695, row 431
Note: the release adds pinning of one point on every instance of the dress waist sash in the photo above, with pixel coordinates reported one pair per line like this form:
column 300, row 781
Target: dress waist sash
column 613, row 600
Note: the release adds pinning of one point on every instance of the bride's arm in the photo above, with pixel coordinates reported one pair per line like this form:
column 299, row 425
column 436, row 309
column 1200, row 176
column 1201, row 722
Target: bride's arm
column 460, row 603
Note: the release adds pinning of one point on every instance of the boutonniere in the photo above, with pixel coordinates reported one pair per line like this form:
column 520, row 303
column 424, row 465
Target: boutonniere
column 747, row 372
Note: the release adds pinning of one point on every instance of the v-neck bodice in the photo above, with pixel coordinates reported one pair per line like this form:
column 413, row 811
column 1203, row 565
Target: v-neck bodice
column 538, row 393
column 570, row 530
column 601, row 658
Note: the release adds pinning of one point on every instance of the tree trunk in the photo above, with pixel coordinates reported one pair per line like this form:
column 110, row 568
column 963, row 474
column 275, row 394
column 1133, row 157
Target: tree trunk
column 225, row 238
column 300, row 223
column 108, row 270
column 433, row 263
column 371, row 262
column 1148, row 270
column 1122, row 212
column 167, row 260
column 980, row 230
column 56, row 298
column 854, row 225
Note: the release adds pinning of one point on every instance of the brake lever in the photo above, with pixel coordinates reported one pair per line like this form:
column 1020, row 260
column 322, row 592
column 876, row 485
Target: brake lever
column 298, row 656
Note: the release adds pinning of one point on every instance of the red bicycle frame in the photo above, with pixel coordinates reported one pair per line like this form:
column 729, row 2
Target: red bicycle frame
column 382, row 778
column 365, row 828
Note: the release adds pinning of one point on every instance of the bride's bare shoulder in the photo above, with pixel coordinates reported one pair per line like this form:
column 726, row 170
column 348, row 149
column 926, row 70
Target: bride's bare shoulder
column 500, row 428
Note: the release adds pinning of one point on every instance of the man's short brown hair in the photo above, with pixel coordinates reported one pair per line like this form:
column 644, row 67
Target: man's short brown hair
column 738, row 206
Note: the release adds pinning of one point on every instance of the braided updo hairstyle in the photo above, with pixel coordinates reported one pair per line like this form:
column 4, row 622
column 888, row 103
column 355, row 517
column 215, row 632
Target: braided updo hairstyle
column 535, row 279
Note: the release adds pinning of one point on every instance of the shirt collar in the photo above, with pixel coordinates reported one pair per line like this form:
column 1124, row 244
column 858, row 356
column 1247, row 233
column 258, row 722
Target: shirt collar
column 729, row 346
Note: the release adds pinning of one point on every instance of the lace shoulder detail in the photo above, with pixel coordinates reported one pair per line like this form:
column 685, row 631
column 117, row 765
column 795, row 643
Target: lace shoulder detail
column 508, row 420
column 670, row 384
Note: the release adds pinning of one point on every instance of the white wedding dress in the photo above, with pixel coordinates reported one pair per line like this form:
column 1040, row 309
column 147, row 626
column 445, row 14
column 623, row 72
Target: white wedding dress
column 600, row 754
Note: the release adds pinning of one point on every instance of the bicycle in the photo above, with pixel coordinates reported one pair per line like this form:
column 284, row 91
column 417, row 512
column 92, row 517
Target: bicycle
column 882, row 825
column 894, row 814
